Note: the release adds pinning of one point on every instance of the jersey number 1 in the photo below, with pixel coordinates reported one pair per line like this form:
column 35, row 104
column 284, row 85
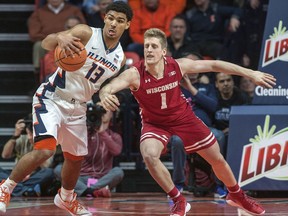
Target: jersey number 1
column 163, row 101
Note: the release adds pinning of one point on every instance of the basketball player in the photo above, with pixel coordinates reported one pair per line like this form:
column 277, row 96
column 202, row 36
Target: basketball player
column 154, row 82
column 59, row 106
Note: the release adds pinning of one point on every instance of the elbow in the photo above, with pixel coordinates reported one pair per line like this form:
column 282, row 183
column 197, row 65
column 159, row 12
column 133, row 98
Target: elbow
column 44, row 44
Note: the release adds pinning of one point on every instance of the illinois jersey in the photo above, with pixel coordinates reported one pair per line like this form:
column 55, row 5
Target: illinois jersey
column 166, row 112
column 59, row 107
column 101, row 63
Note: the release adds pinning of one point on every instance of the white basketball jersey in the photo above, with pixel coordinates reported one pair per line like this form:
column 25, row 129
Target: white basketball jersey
column 101, row 64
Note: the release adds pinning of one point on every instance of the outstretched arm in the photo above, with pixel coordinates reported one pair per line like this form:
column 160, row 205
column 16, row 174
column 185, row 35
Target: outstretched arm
column 127, row 79
column 259, row 78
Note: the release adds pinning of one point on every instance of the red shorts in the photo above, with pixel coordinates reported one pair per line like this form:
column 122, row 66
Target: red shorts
column 194, row 134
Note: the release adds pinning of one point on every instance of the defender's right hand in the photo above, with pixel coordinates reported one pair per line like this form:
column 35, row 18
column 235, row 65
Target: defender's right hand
column 110, row 102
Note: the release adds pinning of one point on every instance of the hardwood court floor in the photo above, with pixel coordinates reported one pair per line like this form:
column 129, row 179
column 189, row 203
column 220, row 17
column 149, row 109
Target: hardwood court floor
column 137, row 204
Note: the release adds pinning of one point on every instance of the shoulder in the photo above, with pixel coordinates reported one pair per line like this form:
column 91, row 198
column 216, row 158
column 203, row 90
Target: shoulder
column 184, row 62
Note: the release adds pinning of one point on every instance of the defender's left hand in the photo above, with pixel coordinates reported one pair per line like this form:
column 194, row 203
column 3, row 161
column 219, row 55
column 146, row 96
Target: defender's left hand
column 264, row 79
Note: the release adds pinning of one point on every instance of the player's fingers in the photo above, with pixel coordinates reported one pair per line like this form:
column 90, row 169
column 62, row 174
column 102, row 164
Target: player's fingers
column 76, row 46
column 66, row 51
column 110, row 103
column 270, row 82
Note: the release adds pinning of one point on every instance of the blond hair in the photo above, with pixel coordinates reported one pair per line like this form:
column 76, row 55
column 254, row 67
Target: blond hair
column 157, row 33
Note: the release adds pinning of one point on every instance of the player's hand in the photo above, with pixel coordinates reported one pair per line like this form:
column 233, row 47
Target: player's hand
column 264, row 79
column 69, row 44
column 110, row 102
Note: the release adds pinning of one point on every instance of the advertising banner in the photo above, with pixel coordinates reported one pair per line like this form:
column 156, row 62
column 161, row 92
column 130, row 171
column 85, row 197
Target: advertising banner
column 258, row 147
column 274, row 54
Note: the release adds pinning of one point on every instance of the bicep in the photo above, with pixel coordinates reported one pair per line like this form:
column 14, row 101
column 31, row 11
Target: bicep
column 195, row 66
column 81, row 31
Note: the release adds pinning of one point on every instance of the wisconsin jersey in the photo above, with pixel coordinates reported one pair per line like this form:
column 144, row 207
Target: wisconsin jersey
column 101, row 63
column 161, row 99
column 166, row 112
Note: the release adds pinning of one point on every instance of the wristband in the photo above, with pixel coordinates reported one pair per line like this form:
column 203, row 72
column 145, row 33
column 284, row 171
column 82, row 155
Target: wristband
column 14, row 137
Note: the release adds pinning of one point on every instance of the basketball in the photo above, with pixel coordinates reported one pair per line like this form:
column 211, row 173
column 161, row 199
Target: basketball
column 68, row 63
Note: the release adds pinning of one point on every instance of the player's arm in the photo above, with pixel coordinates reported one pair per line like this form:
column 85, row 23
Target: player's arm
column 68, row 40
column 201, row 66
column 127, row 79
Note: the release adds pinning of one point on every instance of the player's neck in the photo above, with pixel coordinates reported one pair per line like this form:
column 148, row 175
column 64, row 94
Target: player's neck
column 110, row 44
column 156, row 70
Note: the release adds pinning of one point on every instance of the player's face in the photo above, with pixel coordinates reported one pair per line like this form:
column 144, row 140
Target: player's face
column 153, row 51
column 115, row 24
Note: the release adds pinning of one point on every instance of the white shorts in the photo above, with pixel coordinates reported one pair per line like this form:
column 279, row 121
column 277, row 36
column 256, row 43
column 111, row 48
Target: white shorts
column 65, row 121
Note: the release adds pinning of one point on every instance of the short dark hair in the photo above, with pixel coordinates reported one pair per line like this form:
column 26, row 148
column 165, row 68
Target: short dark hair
column 121, row 7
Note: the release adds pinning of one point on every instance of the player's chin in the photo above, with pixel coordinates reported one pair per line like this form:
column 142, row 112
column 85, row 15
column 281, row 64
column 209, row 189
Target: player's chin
column 150, row 61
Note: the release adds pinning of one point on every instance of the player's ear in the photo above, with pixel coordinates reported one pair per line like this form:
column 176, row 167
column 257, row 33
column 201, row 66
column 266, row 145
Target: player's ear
column 127, row 25
column 164, row 51
column 105, row 17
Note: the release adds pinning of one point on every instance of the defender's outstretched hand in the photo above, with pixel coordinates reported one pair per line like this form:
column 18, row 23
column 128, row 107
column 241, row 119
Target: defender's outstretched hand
column 109, row 102
column 263, row 79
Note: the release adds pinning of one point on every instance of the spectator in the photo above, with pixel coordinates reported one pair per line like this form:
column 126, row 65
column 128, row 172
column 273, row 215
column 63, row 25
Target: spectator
column 254, row 23
column 97, row 175
column 228, row 95
column 48, row 65
column 96, row 19
column 247, row 86
column 178, row 41
column 203, row 100
column 175, row 6
column 45, row 20
column 92, row 6
column 17, row 146
column 149, row 15
column 207, row 27
column 233, row 3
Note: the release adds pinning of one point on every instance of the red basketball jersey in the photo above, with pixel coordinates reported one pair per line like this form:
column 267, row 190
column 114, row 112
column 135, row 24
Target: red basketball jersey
column 161, row 100
column 166, row 112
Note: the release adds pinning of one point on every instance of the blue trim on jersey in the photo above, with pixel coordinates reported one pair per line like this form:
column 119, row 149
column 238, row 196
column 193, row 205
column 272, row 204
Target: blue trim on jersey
column 106, row 48
column 60, row 81
column 40, row 127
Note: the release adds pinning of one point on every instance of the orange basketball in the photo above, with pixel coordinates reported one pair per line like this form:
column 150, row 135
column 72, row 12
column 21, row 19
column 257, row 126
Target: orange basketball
column 68, row 63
